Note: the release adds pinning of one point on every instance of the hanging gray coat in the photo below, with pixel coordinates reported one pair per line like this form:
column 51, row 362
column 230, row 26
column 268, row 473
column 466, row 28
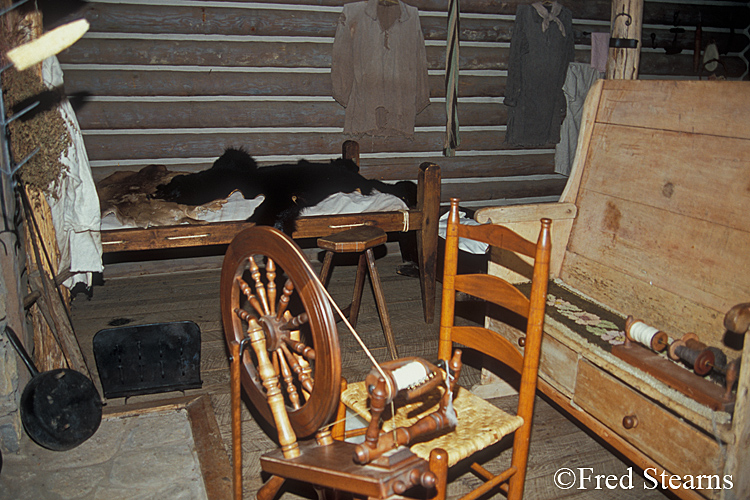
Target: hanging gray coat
column 540, row 50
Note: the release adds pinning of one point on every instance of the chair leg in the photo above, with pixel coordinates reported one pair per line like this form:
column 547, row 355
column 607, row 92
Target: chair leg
column 359, row 285
column 269, row 490
column 439, row 467
column 519, row 460
column 385, row 319
column 236, row 421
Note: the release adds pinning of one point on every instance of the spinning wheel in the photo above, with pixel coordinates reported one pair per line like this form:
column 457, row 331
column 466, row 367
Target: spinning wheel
column 292, row 328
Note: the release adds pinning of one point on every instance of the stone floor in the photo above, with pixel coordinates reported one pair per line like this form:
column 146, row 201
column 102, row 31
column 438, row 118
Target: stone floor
column 144, row 456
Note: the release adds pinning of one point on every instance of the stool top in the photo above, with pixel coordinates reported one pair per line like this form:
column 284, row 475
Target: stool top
column 357, row 239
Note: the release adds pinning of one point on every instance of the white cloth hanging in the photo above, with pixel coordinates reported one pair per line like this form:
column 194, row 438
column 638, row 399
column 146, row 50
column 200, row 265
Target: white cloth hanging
column 75, row 205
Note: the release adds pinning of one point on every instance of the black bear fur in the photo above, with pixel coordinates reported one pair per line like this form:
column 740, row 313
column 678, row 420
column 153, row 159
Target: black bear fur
column 287, row 188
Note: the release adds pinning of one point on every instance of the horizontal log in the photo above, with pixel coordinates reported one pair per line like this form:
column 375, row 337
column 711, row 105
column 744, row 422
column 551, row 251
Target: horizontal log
column 504, row 189
column 254, row 54
column 137, row 114
column 724, row 15
column 120, row 82
column 193, row 20
column 406, row 168
column 662, row 64
column 124, row 18
column 209, row 144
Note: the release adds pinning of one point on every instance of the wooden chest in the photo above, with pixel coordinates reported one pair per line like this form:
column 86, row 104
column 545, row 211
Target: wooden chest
column 653, row 223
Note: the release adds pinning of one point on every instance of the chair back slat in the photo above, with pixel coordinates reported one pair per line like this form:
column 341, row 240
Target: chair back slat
column 490, row 343
column 495, row 290
column 498, row 236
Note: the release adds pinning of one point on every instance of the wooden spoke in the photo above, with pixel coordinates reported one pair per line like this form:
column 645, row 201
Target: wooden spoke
column 271, row 285
column 303, row 374
column 301, row 348
column 284, row 299
column 287, row 378
column 248, row 292
column 294, row 365
column 260, row 289
column 295, row 322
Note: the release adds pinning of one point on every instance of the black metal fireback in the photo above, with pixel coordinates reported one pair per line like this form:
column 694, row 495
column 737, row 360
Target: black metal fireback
column 146, row 359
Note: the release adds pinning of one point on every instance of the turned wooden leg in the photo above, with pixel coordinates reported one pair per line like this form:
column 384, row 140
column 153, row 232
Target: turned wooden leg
column 234, row 373
column 439, row 467
column 359, row 285
column 385, row 319
column 269, row 490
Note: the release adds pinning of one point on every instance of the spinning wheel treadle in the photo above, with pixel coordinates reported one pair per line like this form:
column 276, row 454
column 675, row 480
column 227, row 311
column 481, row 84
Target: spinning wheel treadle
column 270, row 293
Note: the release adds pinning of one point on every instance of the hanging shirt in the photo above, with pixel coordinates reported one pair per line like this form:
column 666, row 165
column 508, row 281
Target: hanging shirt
column 379, row 68
column 540, row 49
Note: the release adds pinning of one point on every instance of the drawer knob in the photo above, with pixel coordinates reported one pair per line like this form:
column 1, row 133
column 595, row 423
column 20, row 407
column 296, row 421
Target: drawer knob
column 630, row 422
column 522, row 341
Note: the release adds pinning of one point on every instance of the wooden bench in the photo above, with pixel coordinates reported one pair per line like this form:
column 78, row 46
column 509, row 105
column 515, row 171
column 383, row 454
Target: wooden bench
column 653, row 223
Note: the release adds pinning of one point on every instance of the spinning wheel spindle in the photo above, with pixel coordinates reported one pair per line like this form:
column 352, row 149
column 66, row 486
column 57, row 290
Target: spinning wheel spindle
column 640, row 332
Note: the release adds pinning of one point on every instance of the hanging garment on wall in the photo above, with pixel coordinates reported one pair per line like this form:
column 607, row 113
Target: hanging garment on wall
column 599, row 50
column 379, row 68
column 540, row 49
column 75, row 204
column 578, row 81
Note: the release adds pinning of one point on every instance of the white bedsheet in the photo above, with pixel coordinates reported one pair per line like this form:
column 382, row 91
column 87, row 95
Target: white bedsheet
column 237, row 208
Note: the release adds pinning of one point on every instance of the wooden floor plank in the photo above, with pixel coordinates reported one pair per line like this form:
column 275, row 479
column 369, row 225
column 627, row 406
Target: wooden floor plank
column 179, row 296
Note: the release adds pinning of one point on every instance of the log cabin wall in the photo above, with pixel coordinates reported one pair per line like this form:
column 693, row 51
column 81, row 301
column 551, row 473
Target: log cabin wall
column 176, row 81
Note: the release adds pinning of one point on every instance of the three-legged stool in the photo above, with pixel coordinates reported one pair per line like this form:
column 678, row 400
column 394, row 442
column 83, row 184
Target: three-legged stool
column 361, row 240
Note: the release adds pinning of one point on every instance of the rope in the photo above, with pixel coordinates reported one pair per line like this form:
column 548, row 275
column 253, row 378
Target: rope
column 405, row 214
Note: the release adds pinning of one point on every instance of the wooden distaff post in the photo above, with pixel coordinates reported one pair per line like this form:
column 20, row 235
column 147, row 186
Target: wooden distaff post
column 625, row 42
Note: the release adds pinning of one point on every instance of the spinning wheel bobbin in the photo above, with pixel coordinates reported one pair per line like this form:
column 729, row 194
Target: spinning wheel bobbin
column 639, row 332
column 694, row 352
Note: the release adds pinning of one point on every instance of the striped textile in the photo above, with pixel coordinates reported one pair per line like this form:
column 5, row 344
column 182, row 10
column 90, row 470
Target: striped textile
column 452, row 137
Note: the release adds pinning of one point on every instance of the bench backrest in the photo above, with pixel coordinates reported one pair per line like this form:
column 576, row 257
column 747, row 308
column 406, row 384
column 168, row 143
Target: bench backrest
column 662, row 229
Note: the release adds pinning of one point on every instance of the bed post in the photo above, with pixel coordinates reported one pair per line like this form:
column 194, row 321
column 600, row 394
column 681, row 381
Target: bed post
column 428, row 204
column 350, row 151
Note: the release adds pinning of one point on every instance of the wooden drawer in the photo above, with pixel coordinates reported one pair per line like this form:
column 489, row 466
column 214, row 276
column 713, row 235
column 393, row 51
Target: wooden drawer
column 557, row 364
column 671, row 442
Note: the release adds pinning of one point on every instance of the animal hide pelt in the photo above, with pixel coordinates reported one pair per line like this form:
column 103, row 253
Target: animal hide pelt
column 287, row 188
column 129, row 195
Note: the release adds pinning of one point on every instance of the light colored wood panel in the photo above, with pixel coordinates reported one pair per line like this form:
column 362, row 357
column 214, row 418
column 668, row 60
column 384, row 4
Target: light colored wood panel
column 703, row 262
column 524, row 220
column 700, row 176
column 679, row 105
column 678, row 446
column 670, row 312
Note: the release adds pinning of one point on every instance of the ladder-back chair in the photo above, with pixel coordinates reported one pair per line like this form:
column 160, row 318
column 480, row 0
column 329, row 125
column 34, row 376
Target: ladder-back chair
column 479, row 423
column 289, row 364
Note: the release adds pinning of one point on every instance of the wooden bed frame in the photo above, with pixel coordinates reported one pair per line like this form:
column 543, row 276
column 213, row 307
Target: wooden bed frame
column 423, row 220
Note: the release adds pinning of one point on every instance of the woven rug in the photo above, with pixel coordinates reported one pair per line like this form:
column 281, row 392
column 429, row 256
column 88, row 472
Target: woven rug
column 600, row 326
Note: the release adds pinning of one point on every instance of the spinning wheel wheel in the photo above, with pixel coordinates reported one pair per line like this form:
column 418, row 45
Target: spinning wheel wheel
column 292, row 327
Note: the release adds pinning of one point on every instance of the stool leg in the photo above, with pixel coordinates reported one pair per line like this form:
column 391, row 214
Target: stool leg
column 359, row 285
column 325, row 273
column 382, row 307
